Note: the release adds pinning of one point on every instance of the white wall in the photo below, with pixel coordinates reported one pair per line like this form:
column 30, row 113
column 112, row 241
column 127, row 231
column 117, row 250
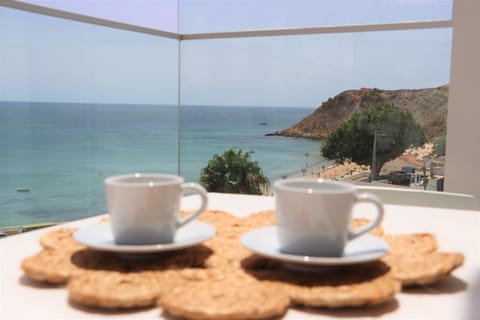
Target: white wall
column 463, row 124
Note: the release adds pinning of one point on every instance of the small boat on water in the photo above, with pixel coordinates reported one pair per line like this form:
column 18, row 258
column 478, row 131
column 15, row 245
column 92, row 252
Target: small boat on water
column 23, row 189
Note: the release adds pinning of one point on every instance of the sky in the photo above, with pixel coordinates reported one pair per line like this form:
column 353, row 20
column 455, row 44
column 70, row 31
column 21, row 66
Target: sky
column 50, row 59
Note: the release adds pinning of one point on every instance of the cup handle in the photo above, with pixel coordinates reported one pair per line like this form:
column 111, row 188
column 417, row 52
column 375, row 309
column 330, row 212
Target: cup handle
column 198, row 189
column 369, row 198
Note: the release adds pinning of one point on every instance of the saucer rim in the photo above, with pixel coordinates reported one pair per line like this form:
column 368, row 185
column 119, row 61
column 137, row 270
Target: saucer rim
column 276, row 254
column 206, row 232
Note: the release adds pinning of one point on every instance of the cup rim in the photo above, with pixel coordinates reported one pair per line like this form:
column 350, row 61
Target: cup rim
column 119, row 180
column 287, row 185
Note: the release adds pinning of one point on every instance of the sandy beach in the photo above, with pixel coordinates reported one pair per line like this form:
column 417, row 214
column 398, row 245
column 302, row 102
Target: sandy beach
column 351, row 171
column 343, row 171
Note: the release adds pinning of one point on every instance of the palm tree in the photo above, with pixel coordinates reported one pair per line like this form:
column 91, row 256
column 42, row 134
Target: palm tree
column 233, row 172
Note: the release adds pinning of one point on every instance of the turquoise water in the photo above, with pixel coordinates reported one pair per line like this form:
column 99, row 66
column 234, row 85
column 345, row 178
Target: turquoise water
column 63, row 152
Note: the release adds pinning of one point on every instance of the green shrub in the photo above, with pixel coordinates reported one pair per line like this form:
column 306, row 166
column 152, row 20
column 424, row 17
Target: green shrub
column 233, row 172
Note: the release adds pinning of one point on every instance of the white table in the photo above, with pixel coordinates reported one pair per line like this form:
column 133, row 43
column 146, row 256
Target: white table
column 457, row 297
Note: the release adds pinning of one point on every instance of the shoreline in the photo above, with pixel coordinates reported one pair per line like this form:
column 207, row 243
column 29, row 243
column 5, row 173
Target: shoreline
column 350, row 171
column 330, row 170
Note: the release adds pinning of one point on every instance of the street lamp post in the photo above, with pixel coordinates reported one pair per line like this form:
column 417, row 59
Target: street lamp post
column 374, row 157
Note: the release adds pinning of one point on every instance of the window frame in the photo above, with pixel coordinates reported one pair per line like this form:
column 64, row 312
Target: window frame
column 465, row 70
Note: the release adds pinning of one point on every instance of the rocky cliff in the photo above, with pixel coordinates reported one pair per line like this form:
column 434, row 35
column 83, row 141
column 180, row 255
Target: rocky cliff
column 428, row 107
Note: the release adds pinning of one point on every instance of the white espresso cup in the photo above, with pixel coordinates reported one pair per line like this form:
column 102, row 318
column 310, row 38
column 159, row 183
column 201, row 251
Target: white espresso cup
column 144, row 208
column 314, row 216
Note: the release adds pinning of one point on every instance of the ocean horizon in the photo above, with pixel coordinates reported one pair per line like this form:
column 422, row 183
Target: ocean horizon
column 58, row 154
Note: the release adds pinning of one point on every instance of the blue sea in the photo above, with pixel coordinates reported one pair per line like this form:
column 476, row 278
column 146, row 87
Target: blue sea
column 62, row 152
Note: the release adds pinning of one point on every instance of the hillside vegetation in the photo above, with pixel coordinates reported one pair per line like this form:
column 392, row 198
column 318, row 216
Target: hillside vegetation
column 428, row 107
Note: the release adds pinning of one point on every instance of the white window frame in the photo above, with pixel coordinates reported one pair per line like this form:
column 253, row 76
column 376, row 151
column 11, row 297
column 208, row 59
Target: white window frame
column 462, row 170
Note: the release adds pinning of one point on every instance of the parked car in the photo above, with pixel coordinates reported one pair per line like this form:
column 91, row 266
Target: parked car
column 400, row 178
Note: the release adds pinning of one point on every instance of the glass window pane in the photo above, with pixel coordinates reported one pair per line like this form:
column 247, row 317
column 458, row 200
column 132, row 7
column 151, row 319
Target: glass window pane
column 241, row 89
column 199, row 16
column 155, row 14
column 78, row 103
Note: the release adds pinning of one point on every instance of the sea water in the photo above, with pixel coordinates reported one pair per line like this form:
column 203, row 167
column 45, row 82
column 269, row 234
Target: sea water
column 55, row 156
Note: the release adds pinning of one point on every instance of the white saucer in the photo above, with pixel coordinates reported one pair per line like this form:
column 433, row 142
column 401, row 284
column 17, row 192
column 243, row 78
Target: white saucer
column 99, row 236
column 264, row 242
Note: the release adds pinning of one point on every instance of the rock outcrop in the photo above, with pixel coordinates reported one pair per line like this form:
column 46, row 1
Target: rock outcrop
column 428, row 107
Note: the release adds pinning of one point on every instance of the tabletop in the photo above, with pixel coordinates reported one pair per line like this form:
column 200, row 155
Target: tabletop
column 456, row 297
